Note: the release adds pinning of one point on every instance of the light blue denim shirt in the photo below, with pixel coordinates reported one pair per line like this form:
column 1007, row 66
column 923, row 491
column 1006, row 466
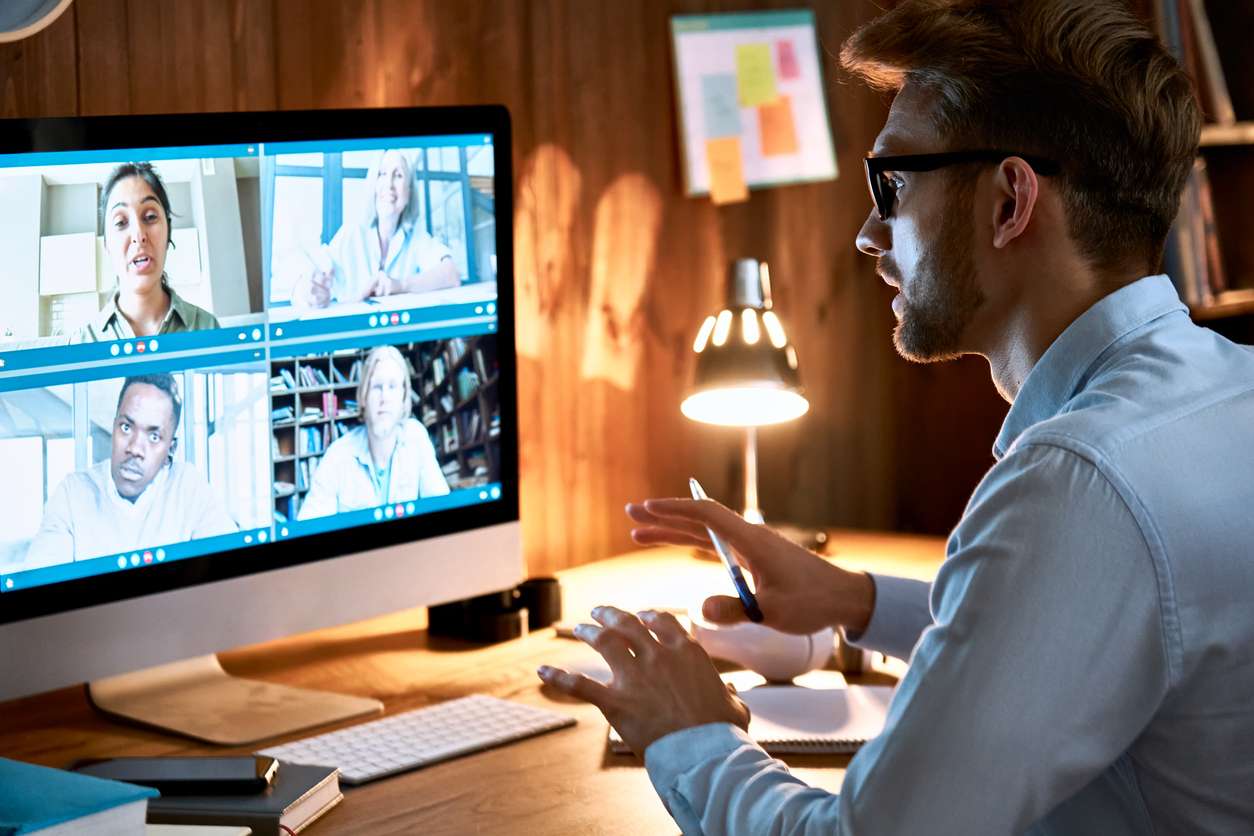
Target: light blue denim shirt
column 1084, row 661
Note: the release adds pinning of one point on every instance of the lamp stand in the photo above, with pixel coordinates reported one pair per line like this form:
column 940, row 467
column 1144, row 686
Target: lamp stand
column 808, row 537
column 752, row 512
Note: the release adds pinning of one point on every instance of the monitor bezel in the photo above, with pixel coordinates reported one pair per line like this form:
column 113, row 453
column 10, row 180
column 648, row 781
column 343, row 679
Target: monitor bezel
column 200, row 129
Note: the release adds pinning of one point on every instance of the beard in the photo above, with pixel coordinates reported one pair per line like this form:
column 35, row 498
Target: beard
column 944, row 295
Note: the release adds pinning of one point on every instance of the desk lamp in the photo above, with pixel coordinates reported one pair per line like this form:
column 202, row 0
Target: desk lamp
column 746, row 369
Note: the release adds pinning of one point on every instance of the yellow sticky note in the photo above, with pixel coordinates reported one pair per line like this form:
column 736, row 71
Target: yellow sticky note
column 727, row 170
column 755, row 74
column 779, row 131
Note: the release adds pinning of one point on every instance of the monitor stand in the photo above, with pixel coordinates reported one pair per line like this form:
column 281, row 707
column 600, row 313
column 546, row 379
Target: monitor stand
column 198, row 699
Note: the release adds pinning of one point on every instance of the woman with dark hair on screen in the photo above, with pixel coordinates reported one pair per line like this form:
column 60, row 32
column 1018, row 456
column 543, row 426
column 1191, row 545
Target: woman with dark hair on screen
column 135, row 216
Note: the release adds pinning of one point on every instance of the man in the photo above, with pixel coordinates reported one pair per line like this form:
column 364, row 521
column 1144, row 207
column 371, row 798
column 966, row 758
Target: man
column 1084, row 661
column 140, row 496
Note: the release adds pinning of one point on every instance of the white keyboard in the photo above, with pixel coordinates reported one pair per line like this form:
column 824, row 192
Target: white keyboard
column 421, row 737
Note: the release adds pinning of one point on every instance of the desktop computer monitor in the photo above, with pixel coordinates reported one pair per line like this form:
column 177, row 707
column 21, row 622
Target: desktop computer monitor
column 257, row 377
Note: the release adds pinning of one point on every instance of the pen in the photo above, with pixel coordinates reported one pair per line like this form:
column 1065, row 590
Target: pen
column 733, row 568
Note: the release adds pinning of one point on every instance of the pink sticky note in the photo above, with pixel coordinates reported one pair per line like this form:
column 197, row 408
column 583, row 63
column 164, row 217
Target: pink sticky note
column 787, row 60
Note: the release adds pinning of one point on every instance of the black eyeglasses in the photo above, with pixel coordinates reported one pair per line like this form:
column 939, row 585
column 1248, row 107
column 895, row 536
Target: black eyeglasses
column 884, row 189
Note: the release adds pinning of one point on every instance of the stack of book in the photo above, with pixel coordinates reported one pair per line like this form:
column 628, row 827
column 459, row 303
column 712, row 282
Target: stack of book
column 1185, row 28
column 298, row 796
column 53, row 802
column 467, row 384
column 1192, row 257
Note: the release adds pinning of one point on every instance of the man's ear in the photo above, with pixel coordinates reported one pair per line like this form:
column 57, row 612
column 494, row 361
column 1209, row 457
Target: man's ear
column 174, row 446
column 1015, row 192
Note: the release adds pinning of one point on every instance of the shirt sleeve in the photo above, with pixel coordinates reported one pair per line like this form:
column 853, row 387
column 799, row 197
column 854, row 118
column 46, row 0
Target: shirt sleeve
column 1047, row 657
column 900, row 616
column 214, row 519
column 323, row 498
column 431, row 481
column 343, row 254
column 54, row 542
column 430, row 252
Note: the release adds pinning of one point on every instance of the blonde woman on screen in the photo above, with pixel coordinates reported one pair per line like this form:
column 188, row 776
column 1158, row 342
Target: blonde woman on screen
column 390, row 253
column 389, row 458
column 135, row 216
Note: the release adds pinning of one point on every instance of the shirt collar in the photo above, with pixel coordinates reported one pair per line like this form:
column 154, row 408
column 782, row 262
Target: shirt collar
column 111, row 312
column 1068, row 361
column 361, row 444
column 145, row 499
column 398, row 241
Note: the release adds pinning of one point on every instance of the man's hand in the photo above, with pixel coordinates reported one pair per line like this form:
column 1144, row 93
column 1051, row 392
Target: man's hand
column 313, row 289
column 798, row 591
column 663, row 681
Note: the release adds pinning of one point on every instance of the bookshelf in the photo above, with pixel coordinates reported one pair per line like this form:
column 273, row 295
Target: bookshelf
column 313, row 402
column 1215, row 223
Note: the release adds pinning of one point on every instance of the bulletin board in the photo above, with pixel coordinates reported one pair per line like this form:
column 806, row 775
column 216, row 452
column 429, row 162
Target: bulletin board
column 752, row 109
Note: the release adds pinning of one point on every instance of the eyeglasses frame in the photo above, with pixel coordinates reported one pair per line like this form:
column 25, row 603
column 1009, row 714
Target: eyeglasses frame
column 876, row 166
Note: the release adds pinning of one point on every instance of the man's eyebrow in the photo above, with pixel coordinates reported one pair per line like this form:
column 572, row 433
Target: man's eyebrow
column 145, row 199
column 122, row 416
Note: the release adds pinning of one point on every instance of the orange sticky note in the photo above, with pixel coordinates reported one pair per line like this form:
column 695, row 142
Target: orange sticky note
column 779, row 131
column 727, row 170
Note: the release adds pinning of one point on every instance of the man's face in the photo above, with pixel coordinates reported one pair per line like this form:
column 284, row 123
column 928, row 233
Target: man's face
column 925, row 247
column 385, row 398
column 143, row 435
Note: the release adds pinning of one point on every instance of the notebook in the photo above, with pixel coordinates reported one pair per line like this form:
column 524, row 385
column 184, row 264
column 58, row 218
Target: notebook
column 54, row 802
column 789, row 719
column 297, row 798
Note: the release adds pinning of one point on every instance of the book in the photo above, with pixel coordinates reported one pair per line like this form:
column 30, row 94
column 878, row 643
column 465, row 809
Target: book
column 1217, row 281
column 54, row 802
column 791, row 719
column 1212, row 82
column 299, row 796
column 195, row 830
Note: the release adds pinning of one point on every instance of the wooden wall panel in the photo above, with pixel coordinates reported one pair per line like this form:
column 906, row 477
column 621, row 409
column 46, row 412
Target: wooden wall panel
column 37, row 76
column 615, row 267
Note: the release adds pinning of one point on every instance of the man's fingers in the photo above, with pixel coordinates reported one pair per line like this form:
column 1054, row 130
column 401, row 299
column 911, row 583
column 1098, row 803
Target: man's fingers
column 748, row 539
column 645, row 518
column 628, row 626
column 654, row 536
column 666, row 627
column 609, row 644
column 576, row 685
column 723, row 609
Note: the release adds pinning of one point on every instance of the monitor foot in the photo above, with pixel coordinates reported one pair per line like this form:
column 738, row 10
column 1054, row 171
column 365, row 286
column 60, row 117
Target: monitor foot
column 196, row 698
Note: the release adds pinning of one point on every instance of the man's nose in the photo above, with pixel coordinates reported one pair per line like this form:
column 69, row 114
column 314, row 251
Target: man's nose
column 873, row 237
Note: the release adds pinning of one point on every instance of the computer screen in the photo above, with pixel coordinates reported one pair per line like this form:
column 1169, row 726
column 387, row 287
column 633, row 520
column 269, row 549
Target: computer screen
column 235, row 344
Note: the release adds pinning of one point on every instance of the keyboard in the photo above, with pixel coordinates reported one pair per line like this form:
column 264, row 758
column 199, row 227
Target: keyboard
column 421, row 737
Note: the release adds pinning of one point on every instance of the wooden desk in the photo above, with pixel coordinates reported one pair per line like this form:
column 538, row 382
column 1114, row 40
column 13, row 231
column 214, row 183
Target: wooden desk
column 562, row 782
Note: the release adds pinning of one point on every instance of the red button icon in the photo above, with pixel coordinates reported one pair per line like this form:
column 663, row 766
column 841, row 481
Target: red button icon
column 396, row 318
column 148, row 557
column 139, row 347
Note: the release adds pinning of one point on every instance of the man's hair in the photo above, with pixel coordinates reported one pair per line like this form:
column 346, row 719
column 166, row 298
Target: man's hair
column 149, row 175
column 164, row 382
column 1082, row 82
